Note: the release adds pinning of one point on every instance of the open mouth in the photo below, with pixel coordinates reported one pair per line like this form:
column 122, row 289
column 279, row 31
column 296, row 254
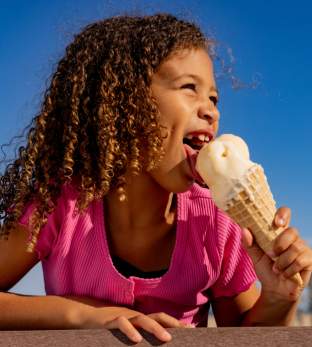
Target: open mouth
column 196, row 142
column 192, row 144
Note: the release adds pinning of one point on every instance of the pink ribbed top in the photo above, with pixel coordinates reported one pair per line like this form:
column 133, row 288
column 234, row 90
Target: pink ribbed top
column 208, row 260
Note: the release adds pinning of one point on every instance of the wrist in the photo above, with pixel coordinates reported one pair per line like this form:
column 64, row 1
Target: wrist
column 89, row 317
column 81, row 316
column 271, row 310
column 273, row 296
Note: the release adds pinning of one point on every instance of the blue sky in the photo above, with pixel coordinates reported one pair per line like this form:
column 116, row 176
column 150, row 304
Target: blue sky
column 268, row 40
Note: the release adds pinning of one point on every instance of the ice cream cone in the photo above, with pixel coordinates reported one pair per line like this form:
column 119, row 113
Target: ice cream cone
column 239, row 187
column 252, row 206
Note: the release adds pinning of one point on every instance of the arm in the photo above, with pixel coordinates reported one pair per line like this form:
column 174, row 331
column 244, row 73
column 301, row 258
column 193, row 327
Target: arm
column 270, row 312
column 56, row 312
column 236, row 307
column 252, row 308
column 31, row 312
column 19, row 312
column 280, row 296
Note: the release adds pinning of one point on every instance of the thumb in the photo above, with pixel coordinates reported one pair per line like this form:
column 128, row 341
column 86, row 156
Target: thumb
column 251, row 247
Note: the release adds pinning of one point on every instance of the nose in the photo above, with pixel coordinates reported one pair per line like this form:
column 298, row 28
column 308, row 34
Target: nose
column 209, row 112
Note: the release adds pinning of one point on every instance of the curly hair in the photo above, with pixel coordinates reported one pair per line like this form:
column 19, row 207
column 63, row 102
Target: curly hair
column 96, row 118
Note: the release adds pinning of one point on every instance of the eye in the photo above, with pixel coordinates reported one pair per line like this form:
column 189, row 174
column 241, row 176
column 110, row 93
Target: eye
column 214, row 99
column 191, row 86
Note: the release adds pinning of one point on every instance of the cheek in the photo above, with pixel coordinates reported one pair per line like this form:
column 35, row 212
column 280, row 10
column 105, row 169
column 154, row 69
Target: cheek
column 173, row 145
column 171, row 142
column 215, row 127
column 174, row 128
column 169, row 117
column 174, row 107
column 215, row 124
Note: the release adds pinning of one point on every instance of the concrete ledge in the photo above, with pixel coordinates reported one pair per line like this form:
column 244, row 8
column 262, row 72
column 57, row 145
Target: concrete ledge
column 258, row 336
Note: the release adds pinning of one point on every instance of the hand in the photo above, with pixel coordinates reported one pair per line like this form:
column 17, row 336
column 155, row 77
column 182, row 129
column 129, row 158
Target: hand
column 154, row 323
column 292, row 256
column 95, row 314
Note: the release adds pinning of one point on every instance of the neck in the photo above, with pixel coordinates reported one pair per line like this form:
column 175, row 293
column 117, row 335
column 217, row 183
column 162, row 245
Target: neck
column 147, row 206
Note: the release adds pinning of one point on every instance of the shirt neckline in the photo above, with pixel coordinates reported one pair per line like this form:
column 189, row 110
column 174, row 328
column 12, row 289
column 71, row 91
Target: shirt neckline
column 120, row 263
column 173, row 261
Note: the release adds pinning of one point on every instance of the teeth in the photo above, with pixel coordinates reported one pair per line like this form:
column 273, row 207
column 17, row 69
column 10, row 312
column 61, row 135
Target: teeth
column 201, row 137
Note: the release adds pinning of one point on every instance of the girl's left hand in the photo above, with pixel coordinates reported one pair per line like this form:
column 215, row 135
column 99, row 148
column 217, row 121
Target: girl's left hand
column 292, row 255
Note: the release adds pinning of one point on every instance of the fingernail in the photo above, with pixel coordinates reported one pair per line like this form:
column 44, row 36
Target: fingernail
column 165, row 335
column 271, row 254
column 281, row 221
column 137, row 337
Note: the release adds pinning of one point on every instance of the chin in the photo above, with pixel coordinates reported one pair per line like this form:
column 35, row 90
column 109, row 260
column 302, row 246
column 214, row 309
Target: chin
column 177, row 180
column 178, row 185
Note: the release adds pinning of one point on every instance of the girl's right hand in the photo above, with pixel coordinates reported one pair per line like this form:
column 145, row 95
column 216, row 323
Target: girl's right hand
column 94, row 314
column 154, row 323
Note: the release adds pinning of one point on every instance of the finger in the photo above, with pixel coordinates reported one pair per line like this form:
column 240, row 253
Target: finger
column 123, row 324
column 302, row 262
column 253, row 250
column 247, row 238
column 284, row 240
column 306, row 276
column 151, row 326
column 282, row 217
column 289, row 255
column 166, row 320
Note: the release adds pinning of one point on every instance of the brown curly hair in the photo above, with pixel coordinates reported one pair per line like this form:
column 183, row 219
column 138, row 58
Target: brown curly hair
column 97, row 116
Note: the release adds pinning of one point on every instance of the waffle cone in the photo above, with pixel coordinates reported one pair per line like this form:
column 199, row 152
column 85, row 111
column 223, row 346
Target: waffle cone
column 252, row 206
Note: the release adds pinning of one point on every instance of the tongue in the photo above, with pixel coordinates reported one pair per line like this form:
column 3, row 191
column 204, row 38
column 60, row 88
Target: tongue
column 191, row 158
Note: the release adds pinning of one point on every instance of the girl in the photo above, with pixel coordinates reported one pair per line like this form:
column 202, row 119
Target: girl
column 104, row 195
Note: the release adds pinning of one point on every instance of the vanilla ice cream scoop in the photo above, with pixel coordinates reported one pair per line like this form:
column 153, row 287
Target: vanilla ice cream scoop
column 220, row 163
column 240, row 188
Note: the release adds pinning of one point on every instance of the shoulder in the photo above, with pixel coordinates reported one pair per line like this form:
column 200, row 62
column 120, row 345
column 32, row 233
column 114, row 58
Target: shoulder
column 197, row 192
column 61, row 222
column 70, row 189
column 198, row 207
column 197, row 200
column 198, row 213
column 65, row 200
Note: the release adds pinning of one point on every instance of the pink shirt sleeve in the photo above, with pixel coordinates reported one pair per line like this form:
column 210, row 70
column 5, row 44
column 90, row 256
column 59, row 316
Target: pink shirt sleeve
column 237, row 271
column 49, row 233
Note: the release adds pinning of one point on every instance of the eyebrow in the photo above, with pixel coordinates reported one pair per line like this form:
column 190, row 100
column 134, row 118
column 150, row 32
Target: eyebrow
column 212, row 88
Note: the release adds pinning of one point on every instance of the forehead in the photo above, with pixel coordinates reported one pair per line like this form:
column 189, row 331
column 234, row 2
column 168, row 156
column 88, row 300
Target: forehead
column 187, row 62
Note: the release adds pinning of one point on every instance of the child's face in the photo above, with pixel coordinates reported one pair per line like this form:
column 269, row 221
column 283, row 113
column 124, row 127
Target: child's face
column 186, row 95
